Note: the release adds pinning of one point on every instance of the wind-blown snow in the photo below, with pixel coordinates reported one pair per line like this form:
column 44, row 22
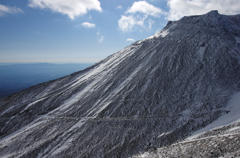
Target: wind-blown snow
column 149, row 95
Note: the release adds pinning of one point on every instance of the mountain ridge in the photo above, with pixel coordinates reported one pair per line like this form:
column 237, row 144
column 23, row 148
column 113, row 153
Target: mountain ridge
column 151, row 94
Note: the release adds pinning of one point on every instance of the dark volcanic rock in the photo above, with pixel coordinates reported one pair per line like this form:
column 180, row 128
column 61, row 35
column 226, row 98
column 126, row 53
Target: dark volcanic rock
column 151, row 94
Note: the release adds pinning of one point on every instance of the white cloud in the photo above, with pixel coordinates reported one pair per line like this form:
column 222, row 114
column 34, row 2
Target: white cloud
column 88, row 25
column 146, row 8
column 132, row 19
column 100, row 37
column 138, row 15
column 180, row 8
column 150, row 22
column 11, row 10
column 119, row 7
column 72, row 8
column 126, row 23
column 130, row 39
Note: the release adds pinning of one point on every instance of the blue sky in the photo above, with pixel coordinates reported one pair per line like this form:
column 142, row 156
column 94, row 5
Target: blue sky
column 86, row 31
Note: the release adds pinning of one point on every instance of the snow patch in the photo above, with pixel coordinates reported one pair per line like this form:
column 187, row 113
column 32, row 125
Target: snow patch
column 76, row 97
column 163, row 33
column 230, row 118
column 234, row 129
column 78, row 124
column 201, row 51
column 19, row 132
column 62, row 147
column 29, row 105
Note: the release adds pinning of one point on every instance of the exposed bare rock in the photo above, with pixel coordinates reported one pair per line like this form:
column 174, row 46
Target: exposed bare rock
column 146, row 97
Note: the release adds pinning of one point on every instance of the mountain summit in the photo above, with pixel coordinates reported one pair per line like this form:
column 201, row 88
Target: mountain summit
column 144, row 98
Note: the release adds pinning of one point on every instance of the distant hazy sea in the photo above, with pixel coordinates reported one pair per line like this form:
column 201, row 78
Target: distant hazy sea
column 16, row 77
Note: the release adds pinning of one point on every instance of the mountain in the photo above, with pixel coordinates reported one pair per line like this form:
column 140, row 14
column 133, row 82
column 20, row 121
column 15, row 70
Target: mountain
column 146, row 99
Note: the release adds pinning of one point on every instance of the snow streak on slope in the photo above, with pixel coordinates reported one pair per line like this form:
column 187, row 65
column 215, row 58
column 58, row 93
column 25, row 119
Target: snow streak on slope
column 151, row 94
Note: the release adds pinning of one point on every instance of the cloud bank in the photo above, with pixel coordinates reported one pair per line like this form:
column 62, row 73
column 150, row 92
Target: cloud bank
column 180, row 8
column 9, row 10
column 137, row 14
column 72, row 8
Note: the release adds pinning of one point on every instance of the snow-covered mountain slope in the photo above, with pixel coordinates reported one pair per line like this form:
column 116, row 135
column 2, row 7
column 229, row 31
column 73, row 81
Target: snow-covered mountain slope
column 149, row 95
column 221, row 142
column 220, row 138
